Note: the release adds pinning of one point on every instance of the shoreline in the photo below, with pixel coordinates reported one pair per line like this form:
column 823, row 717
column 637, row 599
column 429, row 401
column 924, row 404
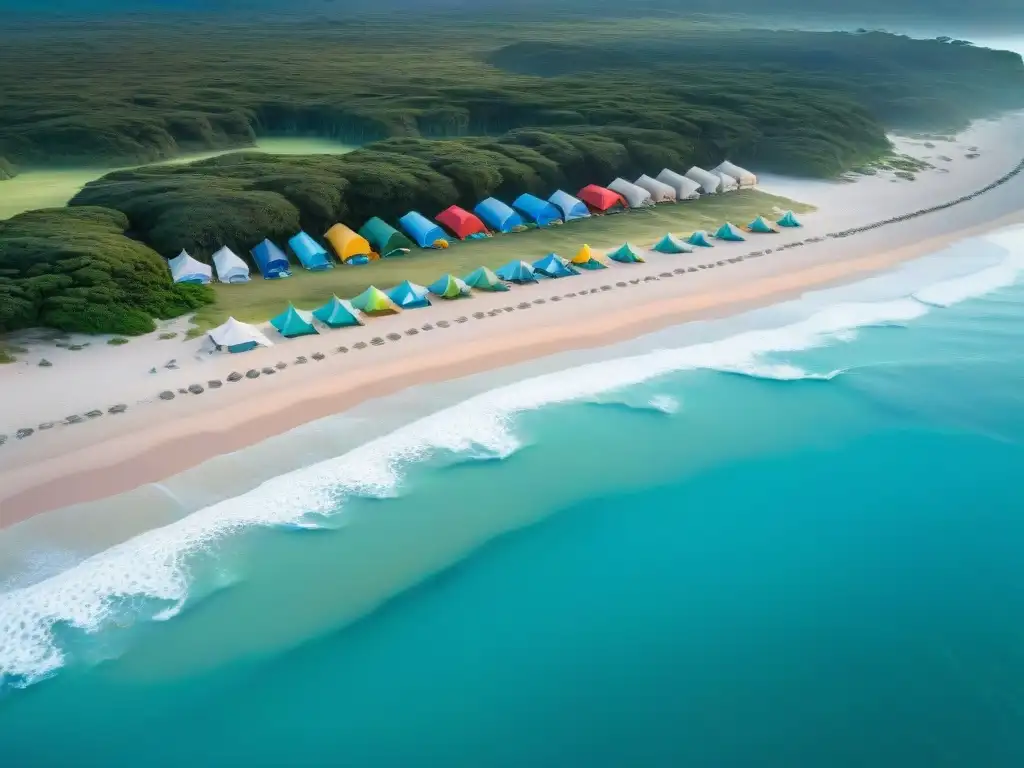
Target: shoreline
column 146, row 445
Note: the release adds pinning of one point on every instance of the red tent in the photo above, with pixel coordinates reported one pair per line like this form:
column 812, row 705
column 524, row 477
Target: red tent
column 600, row 199
column 461, row 222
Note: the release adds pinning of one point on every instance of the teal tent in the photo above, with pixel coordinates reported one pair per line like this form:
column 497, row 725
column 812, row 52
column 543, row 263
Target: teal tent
column 517, row 272
column 671, row 244
column 294, row 322
column 626, row 254
column 700, row 238
column 730, row 232
column 483, row 279
column 337, row 313
column 449, row 287
column 409, row 295
column 552, row 265
column 788, row 220
column 761, row 226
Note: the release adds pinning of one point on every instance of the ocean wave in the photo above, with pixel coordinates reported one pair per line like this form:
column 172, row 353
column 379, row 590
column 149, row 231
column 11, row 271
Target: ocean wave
column 976, row 284
column 781, row 372
column 154, row 566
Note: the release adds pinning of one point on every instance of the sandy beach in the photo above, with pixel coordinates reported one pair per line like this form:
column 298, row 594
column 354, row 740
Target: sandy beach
column 153, row 439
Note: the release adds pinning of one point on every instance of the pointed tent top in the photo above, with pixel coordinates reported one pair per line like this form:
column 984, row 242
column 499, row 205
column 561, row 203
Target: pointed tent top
column 670, row 244
column 728, row 231
column 234, row 333
column 553, row 265
column 517, row 272
column 449, row 287
column 374, row 301
column 789, row 220
column 337, row 313
column 700, row 238
column 294, row 322
column 185, row 269
column 760, row 225
column 409, row 295
column 626, row 254
column 485, row 280
column 583, row 255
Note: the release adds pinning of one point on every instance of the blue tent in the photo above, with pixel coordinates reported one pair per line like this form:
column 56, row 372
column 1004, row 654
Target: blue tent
column 540, row 212
column 409, row 295
column 700, row 238
column 517, row 272
column 572, row 208
column 553, row 266
column 424, row 232
column 730, row 232
column 337, row 313
column 309, row 252
column 271, row 261
column 497, row 215
column 294, row 322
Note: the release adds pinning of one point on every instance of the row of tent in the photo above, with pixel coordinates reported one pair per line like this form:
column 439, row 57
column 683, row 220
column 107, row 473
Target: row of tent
column 236, row 336
column 377, row 239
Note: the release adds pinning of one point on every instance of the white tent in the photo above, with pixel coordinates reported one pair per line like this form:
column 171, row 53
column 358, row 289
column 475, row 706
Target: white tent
column 636, row 197
column 709, row 183
column 230, row 268
column 660, row 193
column 185, row 269
column 729, row 184
column 686, row 189
column 743, row 176
column 238, row 337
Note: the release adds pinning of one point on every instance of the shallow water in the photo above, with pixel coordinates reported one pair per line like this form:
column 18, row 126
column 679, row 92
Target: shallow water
column 53, row 188
column 783, row 539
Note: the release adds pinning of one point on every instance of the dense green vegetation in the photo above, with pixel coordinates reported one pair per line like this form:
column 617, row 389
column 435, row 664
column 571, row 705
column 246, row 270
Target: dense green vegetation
column 74, row 269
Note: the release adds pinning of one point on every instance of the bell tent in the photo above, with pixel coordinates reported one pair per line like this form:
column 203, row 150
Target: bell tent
column 373, row 301
column 185, row 269
column 671, row 244
column 422, row 230
column 498, row 216
column 309, row 252
column 788, row 220
column 385, row 239
column 686, row 189
column 484, row 279
column 626, row 254
column 602, row 200
column 571, row 208
column 584, row 259
column 700, row 239
column 533, row 209
column 461, row 222
column 272, row 262
column 449, row 287
column 761, row 226
column 744, row 177
column 337, row 313
column 635, row 197
column 236, row 336
column 294, row 322
column 553, row 266
column 230, row 267
column 409, row 295
column 730, row 232
column 517, row 272
column 350, row 247
column 709, row 183
column 660, row 192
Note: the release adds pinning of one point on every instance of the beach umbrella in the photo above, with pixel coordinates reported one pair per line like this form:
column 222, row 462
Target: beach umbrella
column 730, row 232
column 671, row 244
column 788, row 220
column 761, row 226
column 626, row 254
column 700, row 238
column 337, row 313
column 484, row 279
column 373, row 301
column 294, row 322
column 584, row 259
column 449, row 287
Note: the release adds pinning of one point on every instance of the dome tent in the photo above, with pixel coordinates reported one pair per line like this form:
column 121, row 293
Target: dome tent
column 659, row 191
column 271, row 260
column 671, row 244
column 585, row 259
column 337, row 313
column 294, row 322
column 385, row 239
column 626, row 254
column 350, row 247
column 497, row 215
column 373, row 301
column 517, row 272
column 700, row 239
column 484, row 279
column 409, row 295
column 686, row 189
column 553, row 266
column 602, row 200
column 426, row 233
column 449, row 287
column 761, row 226
column 730, row 232
column 540, row 212
column 571, row 208
column 635, row 197
column 743, row 177
column 309, row 252
column 788, row 219
column 461, row 222
column 710, row 184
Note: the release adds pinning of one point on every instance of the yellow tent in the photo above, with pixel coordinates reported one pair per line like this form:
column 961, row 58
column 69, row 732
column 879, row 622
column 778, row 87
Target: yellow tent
column 348, row 244
column 586, row 259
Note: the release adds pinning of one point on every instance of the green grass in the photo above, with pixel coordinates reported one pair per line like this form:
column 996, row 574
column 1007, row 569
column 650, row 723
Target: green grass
column 260, row 300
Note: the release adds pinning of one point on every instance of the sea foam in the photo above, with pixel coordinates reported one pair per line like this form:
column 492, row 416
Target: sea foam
column 152, row 568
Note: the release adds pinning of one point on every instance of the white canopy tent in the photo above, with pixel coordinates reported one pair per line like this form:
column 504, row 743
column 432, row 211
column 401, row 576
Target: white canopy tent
column 686, row 189
column 237, row 336
column 660, row 193
column 743, row 177
column 636, row 197
column 230, row 267
column 185, row 269
column 709, row 183
column 729, row 184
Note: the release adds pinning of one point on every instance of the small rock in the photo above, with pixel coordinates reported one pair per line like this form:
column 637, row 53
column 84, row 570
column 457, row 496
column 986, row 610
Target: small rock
column 394, row 336
column 691, row 269
column 571, row 295
column 621, row 284
column 634, row 280
column 507, row 309
column 412, row 332
column 94, row 414
column 359, row 345
column 648, row 279
column 556, row 298
column 665, row 274
column 318, row 356
column 44, row 363
column 23, row 433
column 377, row 341
column 341, row 350
column 46, row 425
column 680, row 270
column 539, row 301
column 119, row 408
column 301, row 360
column 196, row 389
column 268, row 371
column 427, row 327
column 214, row 384
column 461, row 319
column 524, row 305
column 280, row 365
column 76, row 419
column 234, row 376
column 443, row 323
column 479, row 315
column 606, row 287
column 252, row 373
column 182, row 391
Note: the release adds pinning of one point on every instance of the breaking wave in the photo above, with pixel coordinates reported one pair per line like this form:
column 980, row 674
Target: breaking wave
column 151, row 571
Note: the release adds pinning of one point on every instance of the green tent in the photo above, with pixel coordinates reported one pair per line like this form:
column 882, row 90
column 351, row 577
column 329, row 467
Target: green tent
column 700, row 238
column 373, row 301
column 337, row 313
column 484, row 279
column 788, row 220
column 385, row 239
column 449, row 287
column 626, row 254
column 761, row 226
column 294, row 322
column 730, row 232
column 671, row 244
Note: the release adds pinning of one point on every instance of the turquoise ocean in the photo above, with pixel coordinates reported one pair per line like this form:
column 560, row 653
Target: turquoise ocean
column 788, row 538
